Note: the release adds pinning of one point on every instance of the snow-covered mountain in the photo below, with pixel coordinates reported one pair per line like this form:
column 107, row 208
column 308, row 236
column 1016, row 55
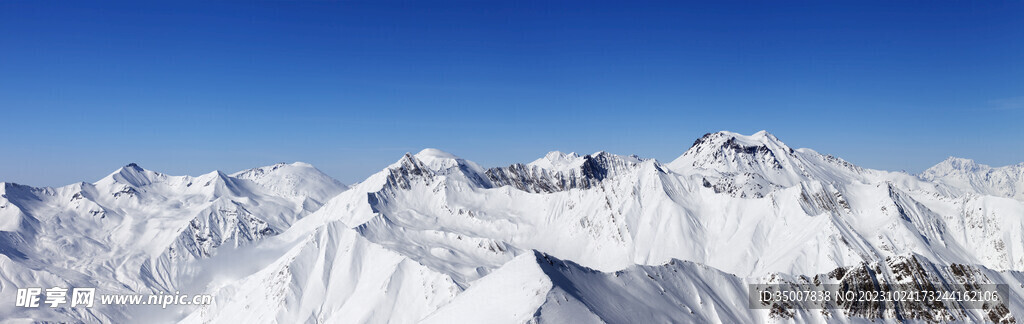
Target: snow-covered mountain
column 140, row 231
column 565, row 238
column 968, row 176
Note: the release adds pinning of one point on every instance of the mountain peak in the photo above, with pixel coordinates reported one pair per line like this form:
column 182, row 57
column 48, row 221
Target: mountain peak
column 760, row 155
column 131, row 174
column 961, row 163
column 765, row 134
column 953, row 165
column 554, row 155
column 433, row 159
column 726, row 137
column 968, row 175
column 558, row 161
column 295, row 179
column 726, row 148
column 435, row 154
column 429, row 163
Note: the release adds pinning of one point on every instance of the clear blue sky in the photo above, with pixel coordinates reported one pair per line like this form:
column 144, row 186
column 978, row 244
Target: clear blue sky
column 188, row 87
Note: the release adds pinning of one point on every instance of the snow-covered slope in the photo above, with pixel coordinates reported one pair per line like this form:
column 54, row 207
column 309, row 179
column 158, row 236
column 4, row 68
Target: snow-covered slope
column 565, row 238
column 139, row 231
column 968, row 176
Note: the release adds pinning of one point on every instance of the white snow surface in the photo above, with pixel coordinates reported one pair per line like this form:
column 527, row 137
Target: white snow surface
column 968, row 176
column 566, row 238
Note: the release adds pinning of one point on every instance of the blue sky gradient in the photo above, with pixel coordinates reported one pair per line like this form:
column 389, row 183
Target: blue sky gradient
column 188, row 87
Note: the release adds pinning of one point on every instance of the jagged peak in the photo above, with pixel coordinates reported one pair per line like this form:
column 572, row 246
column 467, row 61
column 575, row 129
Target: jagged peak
column 133, row 175
column 953, row 165
column 561, row 162
column 609, row 160
column 953, row 159
column 724, row 147
column 968, row 175
column 736, row 141
column 408, row 160
column 215, row 174
column 961, row 164
column 761, row 153
column 558, row 161
column 957, row 165
column 436, row 161
column 212, row 177
column 429, row 163
column 218, row 183
column 632, row 158
column 559, row 155
column 430, row 158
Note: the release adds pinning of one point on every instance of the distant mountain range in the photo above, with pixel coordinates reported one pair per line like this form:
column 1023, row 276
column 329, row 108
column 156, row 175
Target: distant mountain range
column 571, row 238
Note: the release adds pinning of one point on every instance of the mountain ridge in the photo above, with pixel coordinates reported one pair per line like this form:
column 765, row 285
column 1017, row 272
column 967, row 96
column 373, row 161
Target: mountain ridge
column 437, row 235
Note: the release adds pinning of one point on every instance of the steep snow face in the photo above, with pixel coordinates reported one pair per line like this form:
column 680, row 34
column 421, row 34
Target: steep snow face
column 330, row 275
column 540, row 288
column 511, row 294
column 462, row 221
column 140, row 231
column 674, row 292
column 966, row 176
column 536, row 287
